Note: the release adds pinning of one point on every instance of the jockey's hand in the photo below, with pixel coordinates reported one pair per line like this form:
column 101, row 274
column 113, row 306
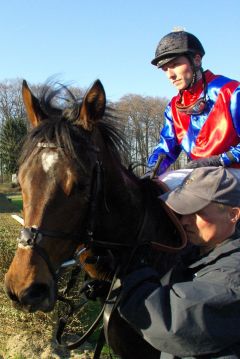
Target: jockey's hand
column 147, row 175
column 205, row 162
column 94, row 289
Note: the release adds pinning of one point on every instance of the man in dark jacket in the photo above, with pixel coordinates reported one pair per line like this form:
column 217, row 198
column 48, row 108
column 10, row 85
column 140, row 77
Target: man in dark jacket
column 195, row 309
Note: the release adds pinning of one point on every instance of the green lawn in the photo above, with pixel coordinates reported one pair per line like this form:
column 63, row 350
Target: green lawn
column 13, row 194
column 16, row 200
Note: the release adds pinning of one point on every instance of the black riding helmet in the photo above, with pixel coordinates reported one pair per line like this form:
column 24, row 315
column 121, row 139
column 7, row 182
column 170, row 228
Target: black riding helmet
column 175, row 44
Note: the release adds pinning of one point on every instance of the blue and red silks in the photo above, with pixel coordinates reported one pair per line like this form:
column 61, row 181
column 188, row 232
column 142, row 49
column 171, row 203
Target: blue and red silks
column 214, row 132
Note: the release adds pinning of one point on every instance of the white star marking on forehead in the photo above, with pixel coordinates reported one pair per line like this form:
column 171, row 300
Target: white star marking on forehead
column 48, row 160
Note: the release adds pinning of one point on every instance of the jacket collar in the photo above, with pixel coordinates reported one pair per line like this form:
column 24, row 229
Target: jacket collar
column 229, row 245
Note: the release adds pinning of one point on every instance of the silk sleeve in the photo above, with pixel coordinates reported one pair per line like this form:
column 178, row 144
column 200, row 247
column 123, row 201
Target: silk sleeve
column 233, row 155
column 168, row 144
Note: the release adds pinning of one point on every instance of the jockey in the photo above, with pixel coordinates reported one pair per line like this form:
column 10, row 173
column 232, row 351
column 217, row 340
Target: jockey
column 204, row 118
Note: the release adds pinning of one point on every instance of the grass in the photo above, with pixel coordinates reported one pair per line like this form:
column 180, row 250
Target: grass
column 9, row 188
column 16, row 200
column 11, row 198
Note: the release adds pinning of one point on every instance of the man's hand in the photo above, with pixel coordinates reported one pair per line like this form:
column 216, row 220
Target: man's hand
column 205, row 162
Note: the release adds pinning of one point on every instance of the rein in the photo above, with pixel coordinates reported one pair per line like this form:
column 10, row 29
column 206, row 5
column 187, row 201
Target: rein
column 93, row 327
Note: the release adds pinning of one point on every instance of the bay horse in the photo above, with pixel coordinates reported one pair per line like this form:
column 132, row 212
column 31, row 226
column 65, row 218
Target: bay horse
column 79, row 199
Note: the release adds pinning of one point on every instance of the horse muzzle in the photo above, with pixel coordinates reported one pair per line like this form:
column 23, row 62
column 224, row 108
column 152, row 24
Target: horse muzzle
column 37, row 297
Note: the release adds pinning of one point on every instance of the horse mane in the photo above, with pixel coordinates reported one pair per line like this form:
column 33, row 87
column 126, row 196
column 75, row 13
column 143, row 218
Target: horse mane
column 60, row 109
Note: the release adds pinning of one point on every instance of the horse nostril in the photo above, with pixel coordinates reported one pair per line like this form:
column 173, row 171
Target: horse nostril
column 35, row 294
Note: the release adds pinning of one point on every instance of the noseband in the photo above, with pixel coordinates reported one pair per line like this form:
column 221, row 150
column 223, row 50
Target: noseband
column 31, row 237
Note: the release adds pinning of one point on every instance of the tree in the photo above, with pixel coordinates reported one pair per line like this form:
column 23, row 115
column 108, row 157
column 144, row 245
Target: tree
column 143, row 118
column 11, row 105
column 13, row 131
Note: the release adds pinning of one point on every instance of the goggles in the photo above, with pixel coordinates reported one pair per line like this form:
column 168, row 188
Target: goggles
column 194, row 109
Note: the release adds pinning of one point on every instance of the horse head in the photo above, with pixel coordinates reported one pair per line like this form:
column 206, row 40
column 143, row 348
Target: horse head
column 61, row 178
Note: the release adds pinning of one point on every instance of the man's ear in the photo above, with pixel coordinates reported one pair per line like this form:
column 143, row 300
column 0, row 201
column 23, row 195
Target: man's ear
column 234, row 214
column 197, row 60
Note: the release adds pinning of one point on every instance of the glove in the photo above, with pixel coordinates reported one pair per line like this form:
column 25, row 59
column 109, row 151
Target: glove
column 147, row 175
column 146, row 277
column 95, row 288
column 205, row 162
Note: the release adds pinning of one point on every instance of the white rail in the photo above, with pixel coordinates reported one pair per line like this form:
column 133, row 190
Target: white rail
column 18, row 219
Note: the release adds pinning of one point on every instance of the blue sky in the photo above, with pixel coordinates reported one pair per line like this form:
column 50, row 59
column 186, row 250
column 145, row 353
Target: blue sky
column 113, row 40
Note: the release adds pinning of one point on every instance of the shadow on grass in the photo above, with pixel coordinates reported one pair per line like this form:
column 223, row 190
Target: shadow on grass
column 6, row 205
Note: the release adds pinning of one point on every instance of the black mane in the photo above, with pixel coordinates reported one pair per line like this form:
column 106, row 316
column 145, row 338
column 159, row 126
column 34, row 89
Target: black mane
column 60, row 110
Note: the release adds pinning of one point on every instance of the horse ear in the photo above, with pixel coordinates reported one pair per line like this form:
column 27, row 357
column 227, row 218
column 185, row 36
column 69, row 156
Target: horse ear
column 32, row 105
column 93, row 106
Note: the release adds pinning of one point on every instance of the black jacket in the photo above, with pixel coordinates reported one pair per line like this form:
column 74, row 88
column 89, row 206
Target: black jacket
column 194, row 310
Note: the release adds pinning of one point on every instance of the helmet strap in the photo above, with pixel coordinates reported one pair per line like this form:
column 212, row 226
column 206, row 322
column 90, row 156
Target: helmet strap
column 195, row 71
column 195, row 76
column 199, row 105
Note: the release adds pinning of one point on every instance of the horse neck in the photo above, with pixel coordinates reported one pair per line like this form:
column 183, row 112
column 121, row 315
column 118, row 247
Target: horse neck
column 122, row 208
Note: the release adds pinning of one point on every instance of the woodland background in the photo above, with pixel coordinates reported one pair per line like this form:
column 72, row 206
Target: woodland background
column 142, row 119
